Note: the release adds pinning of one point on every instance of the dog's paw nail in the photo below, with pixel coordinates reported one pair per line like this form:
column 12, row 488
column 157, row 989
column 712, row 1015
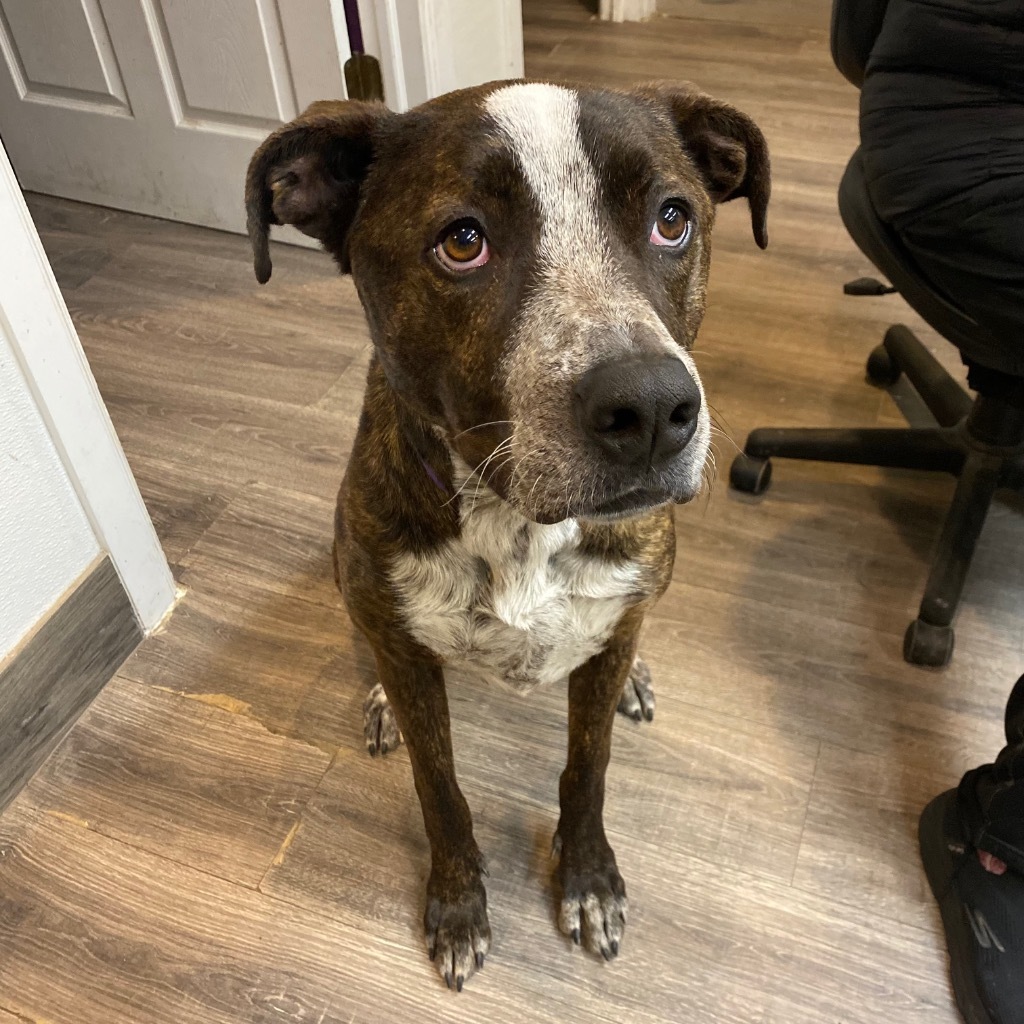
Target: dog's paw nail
column 636, row 716
column 432, row 953
column 384, row 748
column 607, row 953
column 479, row 960
column 372, row 749
column 448, row 978
column 649, row 715
column 576, row 936
column 615, row 947
column 458, row 983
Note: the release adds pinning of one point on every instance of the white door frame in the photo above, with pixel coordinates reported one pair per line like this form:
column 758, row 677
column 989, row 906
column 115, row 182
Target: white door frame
column 627, row 10
column 417, row 44
column 39, row 328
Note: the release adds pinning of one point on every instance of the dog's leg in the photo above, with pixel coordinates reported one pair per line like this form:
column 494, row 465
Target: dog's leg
column 593, row 907
column 457, row 930
column 637, row 700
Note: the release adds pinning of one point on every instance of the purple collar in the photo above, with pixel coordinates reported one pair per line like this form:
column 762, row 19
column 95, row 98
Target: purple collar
column 434, row 477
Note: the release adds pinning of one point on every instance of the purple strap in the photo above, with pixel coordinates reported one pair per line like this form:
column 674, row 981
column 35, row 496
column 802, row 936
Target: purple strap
column 355, row 31
column 434, row 477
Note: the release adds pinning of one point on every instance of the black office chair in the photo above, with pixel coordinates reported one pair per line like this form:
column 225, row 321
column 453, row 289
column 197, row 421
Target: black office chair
column 981, row 442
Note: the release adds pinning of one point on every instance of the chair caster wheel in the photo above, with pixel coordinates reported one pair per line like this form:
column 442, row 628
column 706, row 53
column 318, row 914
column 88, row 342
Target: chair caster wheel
column 925, row 644
column 750, row 475
column 882, row 369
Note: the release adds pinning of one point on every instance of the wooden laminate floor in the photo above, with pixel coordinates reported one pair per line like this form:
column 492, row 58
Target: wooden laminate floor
column 212, row 843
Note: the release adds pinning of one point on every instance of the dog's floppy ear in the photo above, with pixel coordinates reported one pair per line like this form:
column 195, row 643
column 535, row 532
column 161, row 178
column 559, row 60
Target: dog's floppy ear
column 308, row 173
column 727, row 147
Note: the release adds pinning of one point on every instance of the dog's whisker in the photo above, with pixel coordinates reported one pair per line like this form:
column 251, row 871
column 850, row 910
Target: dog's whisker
column 718, row 432
column 718, row 419
column 529, row 497
column 479, row 472
column 458, row 492
column 707, row 475
column 480, row 426
column 479, row 468
column 517, row 469
column 509, row 458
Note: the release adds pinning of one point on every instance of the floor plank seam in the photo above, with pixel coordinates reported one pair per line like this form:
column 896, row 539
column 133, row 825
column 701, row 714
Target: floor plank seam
column 231, row 494
column 145, row 850
column 807, row 811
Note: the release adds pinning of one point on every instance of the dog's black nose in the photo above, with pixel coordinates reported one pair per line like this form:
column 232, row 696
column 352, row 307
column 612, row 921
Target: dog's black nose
column 640, row 411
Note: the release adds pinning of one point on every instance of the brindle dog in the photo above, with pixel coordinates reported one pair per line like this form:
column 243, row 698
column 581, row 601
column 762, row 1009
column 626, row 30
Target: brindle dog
column 532, row 260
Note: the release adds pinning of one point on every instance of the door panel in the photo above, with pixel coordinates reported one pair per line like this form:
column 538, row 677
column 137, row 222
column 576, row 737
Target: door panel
column 57, row 53
column 230, row 60
column 156, row 106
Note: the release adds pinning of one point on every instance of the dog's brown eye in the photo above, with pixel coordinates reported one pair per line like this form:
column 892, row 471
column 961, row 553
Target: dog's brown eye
column 463, row 247
column 672, row 226
column 463, row 244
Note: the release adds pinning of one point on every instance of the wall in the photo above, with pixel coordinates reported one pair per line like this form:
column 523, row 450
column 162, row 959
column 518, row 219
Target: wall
column 45, row 368
column 45, row 538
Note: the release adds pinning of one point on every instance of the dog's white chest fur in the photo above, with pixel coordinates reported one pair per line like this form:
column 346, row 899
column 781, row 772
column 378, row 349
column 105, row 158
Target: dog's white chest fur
column 514, row 599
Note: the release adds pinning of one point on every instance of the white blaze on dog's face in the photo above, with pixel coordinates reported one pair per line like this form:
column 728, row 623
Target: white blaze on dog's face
column 587, row 307
column 532, row 260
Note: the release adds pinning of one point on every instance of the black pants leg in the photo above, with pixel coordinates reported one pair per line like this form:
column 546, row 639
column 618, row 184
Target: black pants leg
column 991, row 798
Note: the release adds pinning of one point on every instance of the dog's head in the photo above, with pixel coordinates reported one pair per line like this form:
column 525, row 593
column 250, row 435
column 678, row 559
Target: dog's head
column 532, row 260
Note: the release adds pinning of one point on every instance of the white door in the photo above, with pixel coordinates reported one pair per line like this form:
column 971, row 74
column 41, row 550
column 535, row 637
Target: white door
column 156, row 105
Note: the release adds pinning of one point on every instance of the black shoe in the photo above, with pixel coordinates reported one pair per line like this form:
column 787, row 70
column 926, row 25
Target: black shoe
column 983, row 915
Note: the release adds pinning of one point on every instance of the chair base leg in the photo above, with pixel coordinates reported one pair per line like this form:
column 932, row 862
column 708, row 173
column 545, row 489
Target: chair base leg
column 930, row 448
column 964, row 521
column 980, row 442
column 929, row 638
column 928, row 645
column 946, row 400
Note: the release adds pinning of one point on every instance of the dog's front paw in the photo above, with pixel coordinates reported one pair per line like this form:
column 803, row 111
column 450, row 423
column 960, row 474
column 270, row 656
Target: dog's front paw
column 458, row 932
column 594, row 905
column 637, row 700
column 380, row 726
